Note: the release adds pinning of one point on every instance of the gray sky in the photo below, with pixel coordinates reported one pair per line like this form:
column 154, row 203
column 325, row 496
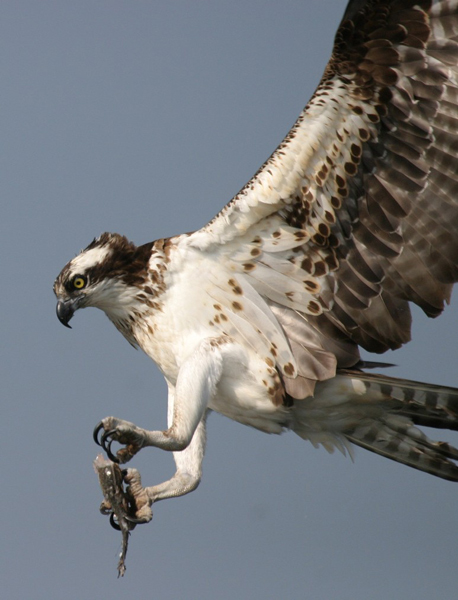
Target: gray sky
column 145, row 118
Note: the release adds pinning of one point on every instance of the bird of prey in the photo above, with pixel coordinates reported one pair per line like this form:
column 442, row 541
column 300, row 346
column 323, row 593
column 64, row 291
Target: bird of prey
column 260, row 314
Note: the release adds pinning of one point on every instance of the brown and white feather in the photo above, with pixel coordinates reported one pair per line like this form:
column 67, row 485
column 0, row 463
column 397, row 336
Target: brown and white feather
column 356, row 212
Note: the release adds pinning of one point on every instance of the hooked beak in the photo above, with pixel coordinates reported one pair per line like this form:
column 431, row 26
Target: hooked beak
column 65, row 310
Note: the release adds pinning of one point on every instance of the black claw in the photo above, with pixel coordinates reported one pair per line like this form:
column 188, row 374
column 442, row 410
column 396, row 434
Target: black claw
column 113, row 522
column 95, row 433
column 110, row 454
column 105, row 438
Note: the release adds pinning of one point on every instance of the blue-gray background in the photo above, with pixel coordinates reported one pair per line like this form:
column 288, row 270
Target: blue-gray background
column 145, row 118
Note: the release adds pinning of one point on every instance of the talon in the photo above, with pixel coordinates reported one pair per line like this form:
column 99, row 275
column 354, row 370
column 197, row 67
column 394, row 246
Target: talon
column 113, row 523
column 105, row 441
column 105, row 438
column 110, row 454
column 95, row 433
column 122, row 433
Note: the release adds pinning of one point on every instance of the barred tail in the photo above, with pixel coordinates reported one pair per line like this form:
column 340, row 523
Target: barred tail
column 380, row 414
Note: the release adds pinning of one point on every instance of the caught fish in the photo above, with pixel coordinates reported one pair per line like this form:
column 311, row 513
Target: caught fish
column 126, row 507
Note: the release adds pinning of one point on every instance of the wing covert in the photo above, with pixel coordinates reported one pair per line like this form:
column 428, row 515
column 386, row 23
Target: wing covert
column 356, row 212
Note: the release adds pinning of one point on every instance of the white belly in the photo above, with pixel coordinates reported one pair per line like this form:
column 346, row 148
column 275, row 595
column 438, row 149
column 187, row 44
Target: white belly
column 242, row 394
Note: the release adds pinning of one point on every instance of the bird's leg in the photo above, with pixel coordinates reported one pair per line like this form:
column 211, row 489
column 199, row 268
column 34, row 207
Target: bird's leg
column 196, row 384
column 188, row 468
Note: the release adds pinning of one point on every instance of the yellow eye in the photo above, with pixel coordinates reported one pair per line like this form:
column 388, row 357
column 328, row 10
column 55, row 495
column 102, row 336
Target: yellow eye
column 79, row 282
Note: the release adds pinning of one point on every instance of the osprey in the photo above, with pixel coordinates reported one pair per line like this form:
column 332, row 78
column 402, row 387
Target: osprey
column 260, row 314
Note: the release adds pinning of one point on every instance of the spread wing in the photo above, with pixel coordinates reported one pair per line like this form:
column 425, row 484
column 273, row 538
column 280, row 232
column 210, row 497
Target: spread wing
column 356, row 212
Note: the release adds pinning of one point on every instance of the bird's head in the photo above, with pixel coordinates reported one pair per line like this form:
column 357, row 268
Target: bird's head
column 99, row 276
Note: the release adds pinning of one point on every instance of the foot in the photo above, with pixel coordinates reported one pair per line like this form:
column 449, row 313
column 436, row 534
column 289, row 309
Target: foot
column 120, row 431
column 125, row 501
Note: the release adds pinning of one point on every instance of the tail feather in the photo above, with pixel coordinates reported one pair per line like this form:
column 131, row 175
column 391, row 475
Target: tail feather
column 406, row 445
column 381, row 414
column 394, row 434
column 426, row 404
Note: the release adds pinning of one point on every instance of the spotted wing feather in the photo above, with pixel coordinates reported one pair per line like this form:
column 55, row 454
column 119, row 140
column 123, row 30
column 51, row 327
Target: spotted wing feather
column 356, row 212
